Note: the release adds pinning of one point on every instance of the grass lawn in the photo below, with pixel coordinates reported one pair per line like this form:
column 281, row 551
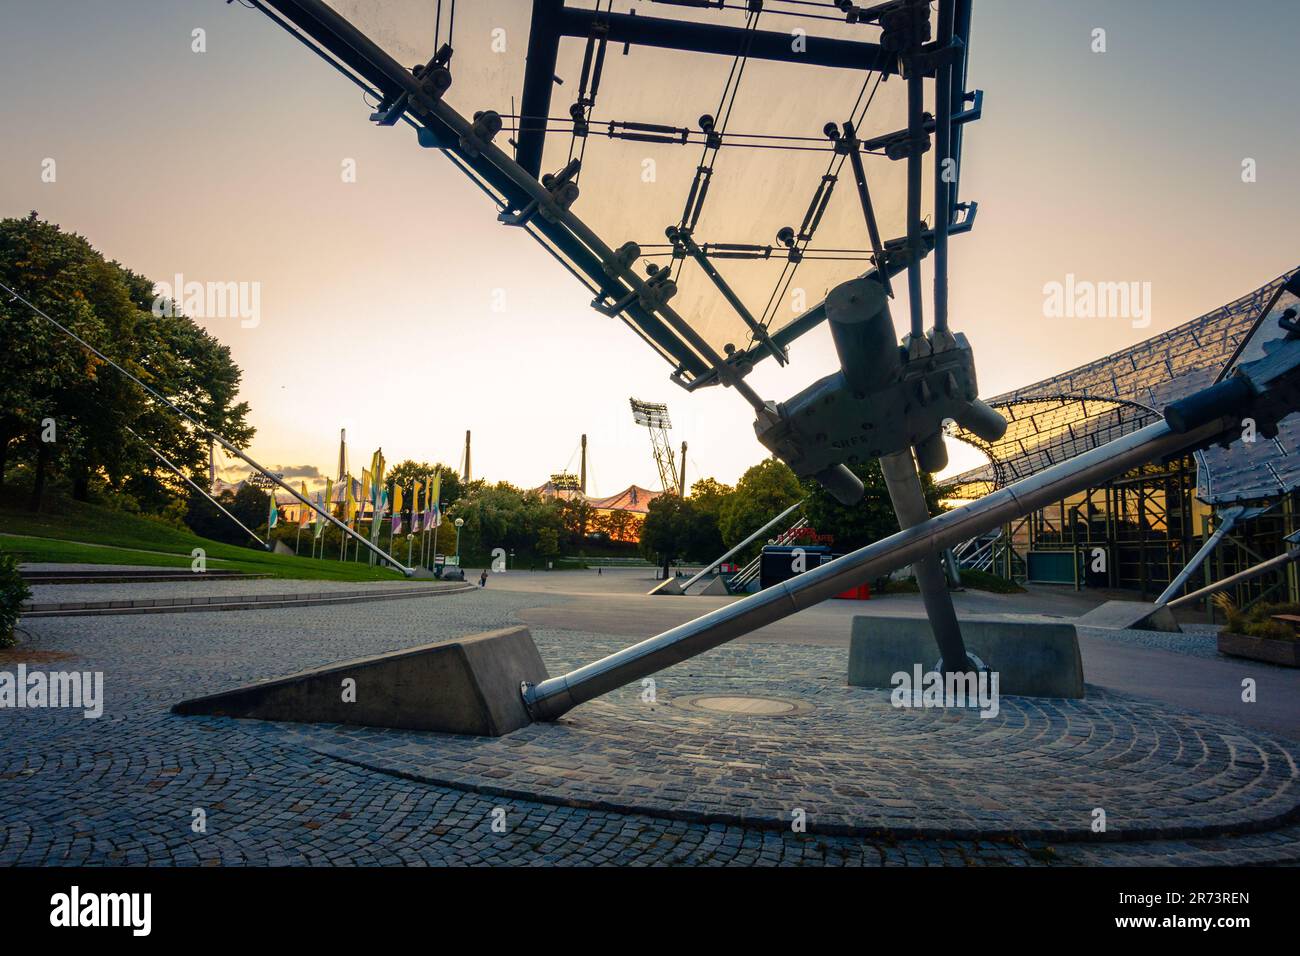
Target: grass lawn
column 67, row 530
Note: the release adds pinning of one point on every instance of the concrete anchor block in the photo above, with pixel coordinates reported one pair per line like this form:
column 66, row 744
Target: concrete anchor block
column 717, row 586
column 669, row 585
column 465, row 686
column 1034, row 656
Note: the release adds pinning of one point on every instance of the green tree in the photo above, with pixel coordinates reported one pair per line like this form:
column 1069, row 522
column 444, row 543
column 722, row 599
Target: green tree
column 763, row 491
column 675, row 529
column 250, row 505
column 93, row 408
column 408, row 472
column 663, row 533
column 576, row 517
column 548, row 542
column 503, row 516
column 47, row 375
column 205, row 520
column 709, row 497
column 871, row 519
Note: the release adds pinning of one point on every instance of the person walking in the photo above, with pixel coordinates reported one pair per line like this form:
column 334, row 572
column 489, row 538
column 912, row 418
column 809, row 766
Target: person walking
column 482, row 579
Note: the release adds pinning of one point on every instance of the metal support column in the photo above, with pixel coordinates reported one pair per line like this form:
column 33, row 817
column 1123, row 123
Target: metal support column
column 908, row 499
column 942, row 172
column 539, row 77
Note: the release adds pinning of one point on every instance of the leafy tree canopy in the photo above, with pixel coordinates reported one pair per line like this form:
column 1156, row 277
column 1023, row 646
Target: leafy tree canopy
column 50, row 379
column 763, row 491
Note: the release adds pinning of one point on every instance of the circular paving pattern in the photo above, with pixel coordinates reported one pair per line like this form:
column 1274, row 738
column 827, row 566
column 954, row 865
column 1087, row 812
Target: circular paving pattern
column 854, row 763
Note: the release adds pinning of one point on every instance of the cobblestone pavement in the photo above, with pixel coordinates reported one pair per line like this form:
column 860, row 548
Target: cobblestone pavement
column 124, row 789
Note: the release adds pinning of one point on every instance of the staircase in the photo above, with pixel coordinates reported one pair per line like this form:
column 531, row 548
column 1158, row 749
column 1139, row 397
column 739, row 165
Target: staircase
column 742, row 578
column 989, row 553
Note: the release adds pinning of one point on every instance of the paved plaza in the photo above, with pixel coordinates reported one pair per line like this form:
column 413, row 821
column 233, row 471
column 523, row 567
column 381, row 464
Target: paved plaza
column 755, row 753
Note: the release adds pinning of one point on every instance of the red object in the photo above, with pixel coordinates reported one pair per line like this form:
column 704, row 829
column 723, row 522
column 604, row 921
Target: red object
column 860, row 593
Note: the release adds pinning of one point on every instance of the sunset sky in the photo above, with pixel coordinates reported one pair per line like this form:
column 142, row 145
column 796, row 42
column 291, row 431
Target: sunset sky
column 377, row 296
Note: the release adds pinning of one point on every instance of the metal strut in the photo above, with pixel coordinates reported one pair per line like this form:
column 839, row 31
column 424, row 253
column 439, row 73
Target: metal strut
column 554, row 697
column 190, row 481
column 908, row 499
column 1190, row 424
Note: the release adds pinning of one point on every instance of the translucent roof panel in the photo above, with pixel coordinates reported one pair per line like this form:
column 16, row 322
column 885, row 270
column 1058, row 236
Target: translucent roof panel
column 764, row 177
column 1069, row 413
column 1250, row 471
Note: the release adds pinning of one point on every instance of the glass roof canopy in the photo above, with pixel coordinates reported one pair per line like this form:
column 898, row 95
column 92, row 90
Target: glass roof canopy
column 630, row 108
column 1063, row 416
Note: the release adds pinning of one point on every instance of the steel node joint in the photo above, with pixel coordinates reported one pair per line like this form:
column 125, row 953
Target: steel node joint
column 885, row 399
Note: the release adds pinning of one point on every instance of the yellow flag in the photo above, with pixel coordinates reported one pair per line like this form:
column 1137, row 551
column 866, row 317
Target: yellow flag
column 435, row 490
column 350, row 499
column 365, row 484
column 415, row 496
column 397, row 499
column 305, row 513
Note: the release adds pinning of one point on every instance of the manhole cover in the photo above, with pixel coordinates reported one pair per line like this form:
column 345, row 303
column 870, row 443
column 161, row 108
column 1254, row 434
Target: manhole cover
column 743, row 704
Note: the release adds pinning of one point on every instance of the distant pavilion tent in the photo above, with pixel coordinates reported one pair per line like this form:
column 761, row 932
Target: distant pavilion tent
column 633, row 501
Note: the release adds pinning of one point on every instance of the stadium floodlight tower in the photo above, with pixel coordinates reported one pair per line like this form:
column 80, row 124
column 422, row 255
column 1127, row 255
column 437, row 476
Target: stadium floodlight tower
column 654, row 417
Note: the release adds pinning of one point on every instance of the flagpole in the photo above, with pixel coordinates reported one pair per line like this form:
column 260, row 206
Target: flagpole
column 392, row 525
column 424, row 526
column 437, row 520
column 424, row 531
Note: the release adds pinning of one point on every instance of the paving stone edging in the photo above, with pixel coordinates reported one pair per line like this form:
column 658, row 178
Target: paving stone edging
column 231, row 603
column 71, row 578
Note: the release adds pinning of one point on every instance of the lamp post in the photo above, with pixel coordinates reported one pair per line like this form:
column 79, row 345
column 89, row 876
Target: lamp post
column 459, row 524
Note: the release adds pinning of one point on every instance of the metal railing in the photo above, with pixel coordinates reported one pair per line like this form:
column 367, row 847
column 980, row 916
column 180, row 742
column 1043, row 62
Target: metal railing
column 742, row 578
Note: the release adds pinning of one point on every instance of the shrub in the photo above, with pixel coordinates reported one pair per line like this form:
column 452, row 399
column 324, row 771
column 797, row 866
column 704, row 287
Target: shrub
column 1258, row 621
column 984, row 581
column 13, row 592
